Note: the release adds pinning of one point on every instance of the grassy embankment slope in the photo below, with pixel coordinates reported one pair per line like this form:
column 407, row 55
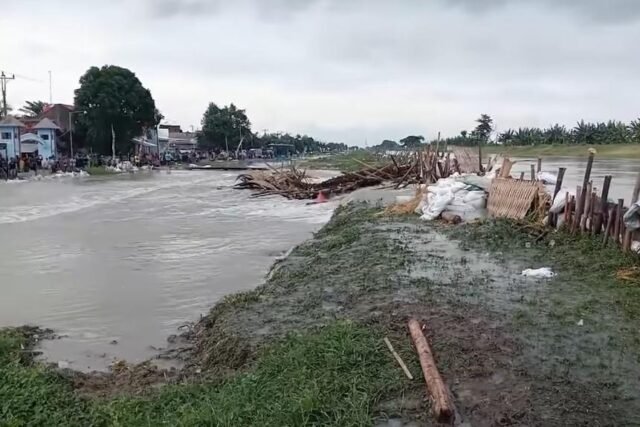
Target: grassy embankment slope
column 615, row 151
column 306, row 347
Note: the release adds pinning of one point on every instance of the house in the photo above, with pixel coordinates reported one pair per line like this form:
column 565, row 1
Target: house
column 10, row 136
column 183, row 141
column 171, row 128
column 40, row 139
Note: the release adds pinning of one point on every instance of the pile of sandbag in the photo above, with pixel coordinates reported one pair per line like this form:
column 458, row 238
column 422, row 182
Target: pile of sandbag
column 452, row 195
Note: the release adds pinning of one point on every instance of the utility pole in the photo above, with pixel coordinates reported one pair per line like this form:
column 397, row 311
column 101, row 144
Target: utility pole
column 50, row 89
column 3, row 86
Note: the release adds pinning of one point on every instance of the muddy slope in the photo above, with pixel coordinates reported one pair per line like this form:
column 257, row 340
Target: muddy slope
column 509, row 347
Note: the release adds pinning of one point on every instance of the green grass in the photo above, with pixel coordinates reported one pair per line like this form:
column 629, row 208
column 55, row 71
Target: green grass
column 329, row 376
column 344, row 162
column 614, row 151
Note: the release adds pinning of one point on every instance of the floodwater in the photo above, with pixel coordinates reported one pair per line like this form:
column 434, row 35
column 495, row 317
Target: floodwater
column 117, row 264
column 623, row 172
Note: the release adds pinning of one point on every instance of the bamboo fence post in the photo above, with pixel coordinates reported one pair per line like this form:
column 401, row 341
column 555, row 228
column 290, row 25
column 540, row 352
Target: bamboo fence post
column 442, row 403
column 567, row 210
column 607, row 230
column 576, row 219
column 539, row 168
column 618, row 223
column 634, row 198
column 553, row 218
column 583, row 194
column 533, row 172
column 521, row 176
column 604, row 197
column 587, row 207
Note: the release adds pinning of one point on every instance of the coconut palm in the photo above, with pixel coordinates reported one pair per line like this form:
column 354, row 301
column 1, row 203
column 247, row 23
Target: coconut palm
column 33, row 108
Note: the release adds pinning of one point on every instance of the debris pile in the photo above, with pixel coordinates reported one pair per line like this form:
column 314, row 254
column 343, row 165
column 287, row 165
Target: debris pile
column 416, row 167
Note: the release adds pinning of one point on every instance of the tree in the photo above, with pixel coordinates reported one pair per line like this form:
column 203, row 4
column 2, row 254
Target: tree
column 112, row 98
column 223, row 127
column 388, row 145
column 484, row 128
column 33, row 108
column 463, row 133
column 412, row 141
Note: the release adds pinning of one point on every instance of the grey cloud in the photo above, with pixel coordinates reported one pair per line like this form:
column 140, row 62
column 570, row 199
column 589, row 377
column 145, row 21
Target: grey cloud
column 175, row 8
column 600, row 11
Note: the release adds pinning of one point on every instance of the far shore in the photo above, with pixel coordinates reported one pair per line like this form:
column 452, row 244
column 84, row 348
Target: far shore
column 614, row 151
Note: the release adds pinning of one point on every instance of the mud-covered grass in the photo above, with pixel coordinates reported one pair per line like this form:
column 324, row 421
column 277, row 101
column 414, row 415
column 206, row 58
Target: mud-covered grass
column 306, row 348
column 344, row 162
column 328, row 376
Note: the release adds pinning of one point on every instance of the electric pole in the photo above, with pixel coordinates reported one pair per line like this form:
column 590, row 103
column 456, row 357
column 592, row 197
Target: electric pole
column 3, row 86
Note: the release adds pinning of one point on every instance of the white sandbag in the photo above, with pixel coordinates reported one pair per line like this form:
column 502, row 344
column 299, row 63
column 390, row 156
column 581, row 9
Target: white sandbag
column 546, row 177
column 560, row 201
column 474, row 195
column 632, row 217
column 435, row 207
column 544, row 272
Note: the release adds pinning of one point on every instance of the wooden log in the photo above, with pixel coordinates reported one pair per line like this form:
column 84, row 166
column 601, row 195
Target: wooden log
column 443, row 407
column 618, row 223
column 539, row 167
column 626, row 245
column 533, row 172
column 601, row 217
column 398, row 358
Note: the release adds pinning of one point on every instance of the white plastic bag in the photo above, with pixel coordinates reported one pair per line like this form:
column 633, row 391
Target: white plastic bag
column 544, row 272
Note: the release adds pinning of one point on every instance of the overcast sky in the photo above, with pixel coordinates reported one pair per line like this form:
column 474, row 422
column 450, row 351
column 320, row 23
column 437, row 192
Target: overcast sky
column 342, row 70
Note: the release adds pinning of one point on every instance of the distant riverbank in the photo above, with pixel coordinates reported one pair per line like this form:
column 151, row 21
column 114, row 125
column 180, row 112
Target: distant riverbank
column 614, row 151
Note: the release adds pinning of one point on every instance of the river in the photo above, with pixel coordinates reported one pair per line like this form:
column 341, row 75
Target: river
column 116, row 264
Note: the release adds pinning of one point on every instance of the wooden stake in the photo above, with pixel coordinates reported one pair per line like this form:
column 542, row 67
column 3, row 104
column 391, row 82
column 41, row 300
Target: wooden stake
column 533, row 172
column 618, row 223
column 601, row 219
column 587, row 207
column 553, row 218
column 626, row 245
column 443, row 407
column 584, row 193
column 578, row 213
column 607, row 230
column 567, row 210
column 398, row 358
column 539, row 168
column 521, row 176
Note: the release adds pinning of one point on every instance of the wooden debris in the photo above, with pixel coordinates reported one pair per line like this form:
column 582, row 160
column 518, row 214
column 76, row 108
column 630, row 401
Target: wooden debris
column 422, row 166
column 443, row 407
column 398, row 358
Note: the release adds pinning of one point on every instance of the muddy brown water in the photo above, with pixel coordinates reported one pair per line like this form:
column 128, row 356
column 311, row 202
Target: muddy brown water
column 623, row 172
column 115, row 265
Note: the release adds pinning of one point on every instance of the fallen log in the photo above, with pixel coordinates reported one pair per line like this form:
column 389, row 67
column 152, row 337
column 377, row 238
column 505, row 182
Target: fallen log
column 443, row 407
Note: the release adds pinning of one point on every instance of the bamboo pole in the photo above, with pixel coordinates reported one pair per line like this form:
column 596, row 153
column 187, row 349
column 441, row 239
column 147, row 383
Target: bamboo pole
column 533, row 172
column 521, row 176
column 398, row 358
column 539, row 167
column 583, row 194
column 443, row 407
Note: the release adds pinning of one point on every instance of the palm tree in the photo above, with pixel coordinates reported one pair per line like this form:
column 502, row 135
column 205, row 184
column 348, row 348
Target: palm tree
column 634, row 129
column 506, row 137
column 556, row 134
column 33, row 108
